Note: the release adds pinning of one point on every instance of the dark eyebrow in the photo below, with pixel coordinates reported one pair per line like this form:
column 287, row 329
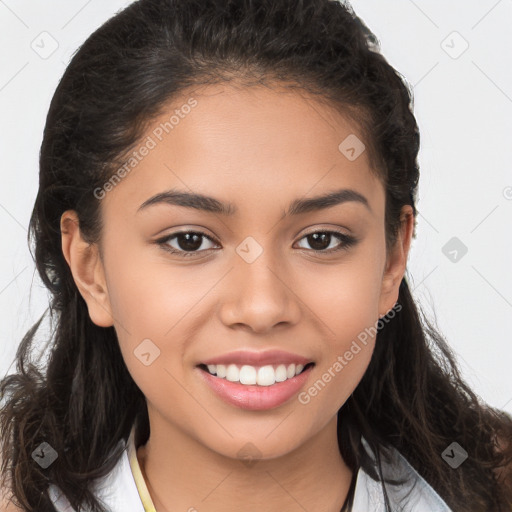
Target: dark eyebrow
column 340, row 196
column 212, row 205
column 190, row 200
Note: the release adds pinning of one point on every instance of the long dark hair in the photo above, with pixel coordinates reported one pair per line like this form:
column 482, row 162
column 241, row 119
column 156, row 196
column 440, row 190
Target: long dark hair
column 411, row 397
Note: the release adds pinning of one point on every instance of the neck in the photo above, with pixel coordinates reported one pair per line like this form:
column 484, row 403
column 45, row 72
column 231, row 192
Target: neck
column 184, row 474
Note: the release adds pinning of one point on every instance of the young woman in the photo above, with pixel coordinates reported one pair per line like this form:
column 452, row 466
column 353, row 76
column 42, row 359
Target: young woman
column 225, row 211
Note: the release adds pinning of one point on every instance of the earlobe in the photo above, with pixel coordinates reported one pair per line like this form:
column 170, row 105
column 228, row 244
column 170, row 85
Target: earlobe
column 87, row 269
column 396, row 262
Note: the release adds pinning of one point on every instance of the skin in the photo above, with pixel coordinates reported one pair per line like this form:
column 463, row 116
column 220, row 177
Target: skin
column 258, row 148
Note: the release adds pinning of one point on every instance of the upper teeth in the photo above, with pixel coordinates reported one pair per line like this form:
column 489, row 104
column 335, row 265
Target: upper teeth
column 262, row 375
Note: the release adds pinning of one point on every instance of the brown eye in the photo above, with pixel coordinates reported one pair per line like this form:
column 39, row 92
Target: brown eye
column 186, row 242
column 325, row 241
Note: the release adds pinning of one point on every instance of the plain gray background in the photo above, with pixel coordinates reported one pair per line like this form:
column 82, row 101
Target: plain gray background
column 457, row 57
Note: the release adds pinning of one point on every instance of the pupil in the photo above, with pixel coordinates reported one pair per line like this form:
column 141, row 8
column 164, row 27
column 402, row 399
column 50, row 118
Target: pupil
column 190, row 244
column 313, row 240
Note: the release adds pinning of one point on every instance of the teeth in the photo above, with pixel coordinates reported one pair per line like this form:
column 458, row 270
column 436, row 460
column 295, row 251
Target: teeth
column 250, row 375
column 266, row 375
column 247, row 375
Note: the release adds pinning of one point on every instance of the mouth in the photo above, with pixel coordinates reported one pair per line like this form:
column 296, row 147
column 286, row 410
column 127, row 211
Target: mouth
column 255, row 388
column 249, row 375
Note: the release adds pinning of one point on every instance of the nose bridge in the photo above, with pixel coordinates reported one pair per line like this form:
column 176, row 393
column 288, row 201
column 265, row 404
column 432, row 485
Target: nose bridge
column 258, row 266
column 260, row 295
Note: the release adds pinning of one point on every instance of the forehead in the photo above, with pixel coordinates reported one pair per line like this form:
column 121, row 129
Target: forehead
column 248, row 144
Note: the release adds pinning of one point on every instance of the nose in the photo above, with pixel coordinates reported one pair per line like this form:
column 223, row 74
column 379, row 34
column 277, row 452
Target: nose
column 259, row 296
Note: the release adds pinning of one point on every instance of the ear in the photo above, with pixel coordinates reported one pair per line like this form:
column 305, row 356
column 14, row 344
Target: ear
column 86, row 266
column 396, row 261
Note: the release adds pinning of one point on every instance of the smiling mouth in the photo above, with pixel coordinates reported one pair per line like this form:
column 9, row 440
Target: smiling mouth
column 255, row 375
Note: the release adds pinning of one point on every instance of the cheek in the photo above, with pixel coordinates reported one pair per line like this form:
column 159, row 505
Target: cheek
column 345, row 302
column 146, row 294
column 147, row 300
column 148, row 305
column 346, row 350
column 343, row 297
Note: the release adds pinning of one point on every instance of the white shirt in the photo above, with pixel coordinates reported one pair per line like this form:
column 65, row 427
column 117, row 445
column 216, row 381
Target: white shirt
column 119, row 492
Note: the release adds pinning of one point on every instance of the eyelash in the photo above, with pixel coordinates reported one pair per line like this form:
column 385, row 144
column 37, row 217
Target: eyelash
column 347, row 242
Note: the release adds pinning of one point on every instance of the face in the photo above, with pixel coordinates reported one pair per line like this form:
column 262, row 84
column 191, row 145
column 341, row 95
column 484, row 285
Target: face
column 184, row 285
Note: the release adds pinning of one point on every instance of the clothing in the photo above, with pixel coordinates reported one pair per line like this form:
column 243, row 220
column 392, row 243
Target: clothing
column 124, row 488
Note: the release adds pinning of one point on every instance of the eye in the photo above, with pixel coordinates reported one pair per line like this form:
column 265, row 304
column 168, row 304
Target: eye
column 321, row 241
column 187, row 242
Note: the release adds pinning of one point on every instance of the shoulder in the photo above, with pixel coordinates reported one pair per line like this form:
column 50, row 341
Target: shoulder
column 116, row 490
column 8, row 506
column 410, row 490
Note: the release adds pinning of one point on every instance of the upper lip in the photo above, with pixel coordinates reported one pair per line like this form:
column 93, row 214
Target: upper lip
column 259, row 358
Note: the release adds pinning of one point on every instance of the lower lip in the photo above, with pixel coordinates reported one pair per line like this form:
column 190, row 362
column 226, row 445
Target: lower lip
column 253, row 397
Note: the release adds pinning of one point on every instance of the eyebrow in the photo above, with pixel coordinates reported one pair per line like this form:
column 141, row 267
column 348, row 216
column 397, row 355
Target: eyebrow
column 212, row 205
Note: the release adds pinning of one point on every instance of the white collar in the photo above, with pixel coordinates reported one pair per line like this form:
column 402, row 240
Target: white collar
column 416, row 494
